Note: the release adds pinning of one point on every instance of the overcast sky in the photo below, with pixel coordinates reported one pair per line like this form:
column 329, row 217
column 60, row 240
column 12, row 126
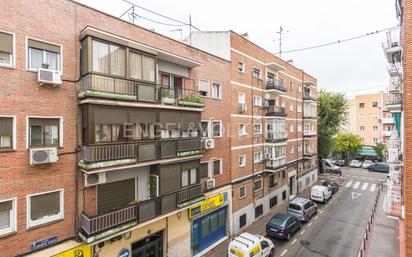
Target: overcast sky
column 354, row 67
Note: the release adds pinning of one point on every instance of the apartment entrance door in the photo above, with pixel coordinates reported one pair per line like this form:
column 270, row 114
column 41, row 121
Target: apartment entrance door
column 151, row 246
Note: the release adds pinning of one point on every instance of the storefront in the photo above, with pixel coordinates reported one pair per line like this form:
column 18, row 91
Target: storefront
column 209, row 223
column 151, row 246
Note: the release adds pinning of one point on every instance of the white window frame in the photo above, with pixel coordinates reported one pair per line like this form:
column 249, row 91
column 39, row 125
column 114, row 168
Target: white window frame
column 240, row 196
column 361, row 128
column 13, row 217
column 60, row 216
column 291, row 107
column 220, row 129
column 373, row 128
column 212, row 168
column 14, row 136
column 299, row 129
column 299, row 108
column 260, row 73
column 209, row 90
column 61, row 129
column 242, row 156
column 243, row 67
column 300, row 89
column 257, row 101
column 219, row 90
column 291, row 128
column 260, row 130
column 28, row 61
column 240, row 130
column 299, row 148
column 209, row 134
column 241, row 95
column 261, row 185
column 361, row 116
column 260, row 157
column 375, row 117
column 292, row 149
column 13, row 58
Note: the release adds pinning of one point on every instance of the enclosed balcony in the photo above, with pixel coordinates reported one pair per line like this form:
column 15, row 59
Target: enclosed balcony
column 276, row 163
column 392, row 47
column 275, row 110
column 387, row 133
column 394, row 104
column 388, row 120
column 273, row 137
column 309, row 133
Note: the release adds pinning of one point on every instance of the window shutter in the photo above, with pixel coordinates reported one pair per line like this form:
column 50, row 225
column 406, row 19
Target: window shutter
column 6, row 42
column 6, row 126
column 204, row 85
column 43, row 46
column 45, row 204
column 115, row 195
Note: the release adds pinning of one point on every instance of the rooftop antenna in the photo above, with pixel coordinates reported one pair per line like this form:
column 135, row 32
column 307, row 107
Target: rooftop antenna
column 181, row 32
column 280, row 32
column 190, row 29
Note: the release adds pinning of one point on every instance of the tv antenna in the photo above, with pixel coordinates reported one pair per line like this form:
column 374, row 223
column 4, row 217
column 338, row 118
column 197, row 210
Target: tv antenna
column 178, row 30
column 280, row 32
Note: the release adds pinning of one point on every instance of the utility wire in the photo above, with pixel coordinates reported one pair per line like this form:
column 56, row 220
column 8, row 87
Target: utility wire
column 161, row 15
column 158, row 22
column 340, row 41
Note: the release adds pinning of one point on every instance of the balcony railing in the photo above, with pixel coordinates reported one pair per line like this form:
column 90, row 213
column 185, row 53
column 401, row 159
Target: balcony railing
column 100, row 86
column 142, row 151
column 307, row 97
column 276, row 84
column 276, row 163
column 394, row 101
column 274, row 110
column 309, row 133
column 387, row 133
column 309, row 153
column 388, row 121
column 138, row 212
column 276, row 136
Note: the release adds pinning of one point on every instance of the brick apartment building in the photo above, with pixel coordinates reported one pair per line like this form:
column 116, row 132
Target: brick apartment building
column 115, row 139
column 273, row 125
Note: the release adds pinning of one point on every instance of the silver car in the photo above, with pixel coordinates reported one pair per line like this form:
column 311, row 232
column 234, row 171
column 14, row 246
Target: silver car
column 302, row 208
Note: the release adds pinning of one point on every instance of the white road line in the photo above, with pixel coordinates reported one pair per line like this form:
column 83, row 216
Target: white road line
column 310, row 224
column 356, row 185
column 301, row 233
column 316, row 217
column 284, row 252
column 373, row 187
column 365, row 185
column 349, row 183
column 294, row 241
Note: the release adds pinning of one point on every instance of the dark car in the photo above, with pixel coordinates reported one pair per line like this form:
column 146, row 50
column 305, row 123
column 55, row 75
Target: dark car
column 331, row 185
column 380, row 167
column 282, row 225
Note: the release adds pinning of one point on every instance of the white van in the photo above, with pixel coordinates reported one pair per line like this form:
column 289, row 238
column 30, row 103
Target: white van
column 248, row 245
column 320, row 194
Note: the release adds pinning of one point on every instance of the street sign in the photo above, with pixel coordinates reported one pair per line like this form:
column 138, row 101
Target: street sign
column 355, row 195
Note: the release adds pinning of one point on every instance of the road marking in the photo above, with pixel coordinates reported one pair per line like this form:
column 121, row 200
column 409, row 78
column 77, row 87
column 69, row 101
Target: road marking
column 355, row 195
column 373, row 187
column 349, row 183
column 356, row 185
column 294, row 241
column 301, row 233
column 316, row 217
column 310, row 224
column 320, row 212
column 365, row 185
column 284, row 252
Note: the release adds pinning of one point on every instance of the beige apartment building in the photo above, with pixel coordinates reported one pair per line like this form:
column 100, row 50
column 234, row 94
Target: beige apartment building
column 368, row 119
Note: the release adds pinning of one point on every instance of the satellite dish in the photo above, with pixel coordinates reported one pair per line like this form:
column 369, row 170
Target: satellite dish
column 267, row 96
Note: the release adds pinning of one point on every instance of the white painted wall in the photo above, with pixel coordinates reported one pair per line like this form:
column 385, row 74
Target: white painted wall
column 214, row 42
column 312, row 176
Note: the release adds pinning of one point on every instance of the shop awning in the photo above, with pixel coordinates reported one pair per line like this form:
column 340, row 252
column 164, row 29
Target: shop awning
column 367, row 151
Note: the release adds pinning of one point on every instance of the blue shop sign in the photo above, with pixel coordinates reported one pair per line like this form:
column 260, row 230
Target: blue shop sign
column 124, row 253
column 43, row 243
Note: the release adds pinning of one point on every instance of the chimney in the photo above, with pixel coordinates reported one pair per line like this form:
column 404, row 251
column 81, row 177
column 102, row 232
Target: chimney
column 245, row 35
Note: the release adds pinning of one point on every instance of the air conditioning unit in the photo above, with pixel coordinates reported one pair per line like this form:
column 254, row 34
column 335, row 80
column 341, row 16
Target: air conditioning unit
column 209, row 143
column 43, row 155
column 242, row 108
column 210, row 183
column 94, row 179
column 46, row 76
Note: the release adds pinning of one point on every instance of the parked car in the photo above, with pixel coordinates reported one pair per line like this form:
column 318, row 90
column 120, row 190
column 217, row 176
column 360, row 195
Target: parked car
column 320, row 194
column 331, row 185
column 248, row 245
column 282, row 225
column 303, row 209
column 355, row 164
column 380, row 166
column 367, row 163
column 339, row 162
column 330, row 167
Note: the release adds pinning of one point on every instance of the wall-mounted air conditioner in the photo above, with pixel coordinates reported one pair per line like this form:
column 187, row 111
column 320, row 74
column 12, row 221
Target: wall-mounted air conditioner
column 209, row 143
column 210, row 183
column 94, row 179
column 43, row 155
column 46, row 76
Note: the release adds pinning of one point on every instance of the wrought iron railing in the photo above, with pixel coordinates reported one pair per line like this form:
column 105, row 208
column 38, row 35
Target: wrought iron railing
column 276, row 84
column 275, row 110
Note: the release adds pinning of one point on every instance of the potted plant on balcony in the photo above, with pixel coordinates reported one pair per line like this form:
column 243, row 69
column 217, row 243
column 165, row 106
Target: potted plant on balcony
column 191, row 100
column 167, row 96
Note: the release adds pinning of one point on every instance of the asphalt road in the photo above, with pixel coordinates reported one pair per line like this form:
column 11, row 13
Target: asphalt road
column 337, row 229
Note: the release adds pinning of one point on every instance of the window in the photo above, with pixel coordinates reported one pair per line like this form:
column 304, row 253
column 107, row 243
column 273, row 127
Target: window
column 241, row 98
column 8, row 218
column 257, row 129
column 7, row 131
column 300, row 89
column 6, row 49
column 44, row 132
column 361, row 105
column 204, row 128
column 242, row 220
column 362, row 128
column 258, row 211
column 258, row 157
column 217, row 128
column 284, row 195
column 257, row 101
column 375, row 117
column 189, row 177
column 43, row 55
column 375, row 128
column 362, row 139
column 241, row 67
column 291, row 128
column 291, row 107
column 204, row 88
column 273, row 180
column 242, row 130
column 299, row 108
column 216, row 90
column 242, row 160
column 299, row 148
column 142, row 67
column 217, row 167
column 375, row 140
column 111, row 133
column 258, row 185
column 44, row 207
column 292, row 149
column 291, row 86
column 256, row 73
column 300, row 128
column 242, row 192
column 273, row 201
column 361, row 116
column 111, row 59
column 374, row 104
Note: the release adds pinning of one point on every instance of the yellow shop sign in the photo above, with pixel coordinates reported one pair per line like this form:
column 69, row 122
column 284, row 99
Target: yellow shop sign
column 79, row 251
column 207, row 205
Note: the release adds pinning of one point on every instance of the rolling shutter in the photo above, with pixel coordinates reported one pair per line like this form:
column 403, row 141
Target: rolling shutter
column 115, row 195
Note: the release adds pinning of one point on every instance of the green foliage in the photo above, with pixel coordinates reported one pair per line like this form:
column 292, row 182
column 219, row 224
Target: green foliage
column 347, row 143
column 380, row 149
column 331, row 114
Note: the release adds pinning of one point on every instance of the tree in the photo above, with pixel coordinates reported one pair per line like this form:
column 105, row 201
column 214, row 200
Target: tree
column 331, row 114
column 380, row 149
column 347, row 143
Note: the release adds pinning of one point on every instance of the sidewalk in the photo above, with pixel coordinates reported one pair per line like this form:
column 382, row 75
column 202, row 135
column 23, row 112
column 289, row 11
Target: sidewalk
column 384, row 235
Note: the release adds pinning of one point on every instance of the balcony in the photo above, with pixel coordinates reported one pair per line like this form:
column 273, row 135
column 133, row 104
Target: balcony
column 309, row 133
column 395, row 85
column 99, row 86
column 138, row 212
column 388, row 121
column 273, row 137
column 276, row 163
column 113, row 154
column 310, row 115
column 274, row 110
column 392, row 47
column 309, row 154
column 307, row 97
column 276, row 85
column 386, row 133
column 394, row 104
